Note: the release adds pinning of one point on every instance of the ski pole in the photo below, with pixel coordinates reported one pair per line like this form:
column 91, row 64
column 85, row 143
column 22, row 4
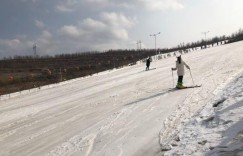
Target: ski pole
column 191, row 77
column 172, row 78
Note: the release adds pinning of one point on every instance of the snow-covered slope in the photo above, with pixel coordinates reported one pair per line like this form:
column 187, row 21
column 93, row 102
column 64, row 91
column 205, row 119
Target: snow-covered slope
column 217, row 129
column 124, row 112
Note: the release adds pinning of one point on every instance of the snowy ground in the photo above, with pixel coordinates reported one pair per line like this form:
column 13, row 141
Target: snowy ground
column 217, row 129
column 126, row 112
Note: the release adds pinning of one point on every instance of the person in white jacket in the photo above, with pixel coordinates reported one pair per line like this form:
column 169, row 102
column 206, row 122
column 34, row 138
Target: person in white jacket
column 180, row 71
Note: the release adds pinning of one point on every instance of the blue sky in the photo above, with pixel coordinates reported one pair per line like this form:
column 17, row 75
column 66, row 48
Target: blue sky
column 69, row 26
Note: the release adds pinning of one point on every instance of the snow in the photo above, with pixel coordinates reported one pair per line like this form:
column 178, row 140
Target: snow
column 130, row 112
column 218, row 128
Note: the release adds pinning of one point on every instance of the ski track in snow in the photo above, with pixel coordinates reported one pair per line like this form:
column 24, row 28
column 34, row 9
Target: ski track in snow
column 120, row 112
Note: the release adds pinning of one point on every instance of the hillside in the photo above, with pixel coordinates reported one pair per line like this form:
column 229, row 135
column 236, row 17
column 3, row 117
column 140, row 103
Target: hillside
column 125, row 112
column 22, row 73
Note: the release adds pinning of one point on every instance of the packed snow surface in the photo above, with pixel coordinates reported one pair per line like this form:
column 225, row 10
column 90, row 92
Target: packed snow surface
column 125, row 112
column 217, row 129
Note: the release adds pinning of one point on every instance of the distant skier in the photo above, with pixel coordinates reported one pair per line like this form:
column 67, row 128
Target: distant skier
column 180, row 71
column 148, row 62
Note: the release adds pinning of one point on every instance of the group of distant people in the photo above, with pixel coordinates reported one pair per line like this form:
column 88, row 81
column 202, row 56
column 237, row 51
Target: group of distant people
column 179, row 67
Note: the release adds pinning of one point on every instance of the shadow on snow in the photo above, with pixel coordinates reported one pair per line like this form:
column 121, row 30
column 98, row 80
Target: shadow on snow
column 153, row 96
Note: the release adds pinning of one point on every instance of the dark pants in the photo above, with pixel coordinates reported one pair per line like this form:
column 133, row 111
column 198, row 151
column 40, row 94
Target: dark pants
column 147, row 66
column 180, row 79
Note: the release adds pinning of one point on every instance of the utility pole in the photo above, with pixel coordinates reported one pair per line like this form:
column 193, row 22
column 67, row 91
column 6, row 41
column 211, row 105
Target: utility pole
column 137, row 45
column 139, row 42
column 205, row 33
column 155, row 35
column 35, row 49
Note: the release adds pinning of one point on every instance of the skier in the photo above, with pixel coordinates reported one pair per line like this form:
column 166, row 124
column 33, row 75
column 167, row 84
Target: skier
column 180, row 71
column 148, row 62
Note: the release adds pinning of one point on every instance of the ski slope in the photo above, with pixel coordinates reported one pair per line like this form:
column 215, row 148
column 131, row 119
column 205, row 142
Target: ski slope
column 215, row 130
column 125, row 112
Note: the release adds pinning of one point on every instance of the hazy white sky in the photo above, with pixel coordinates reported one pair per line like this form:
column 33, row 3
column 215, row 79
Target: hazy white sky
column 68, row 26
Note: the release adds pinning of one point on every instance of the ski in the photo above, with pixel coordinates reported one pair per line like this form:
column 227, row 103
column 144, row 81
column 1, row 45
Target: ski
column 150, row 69
column 186, row 87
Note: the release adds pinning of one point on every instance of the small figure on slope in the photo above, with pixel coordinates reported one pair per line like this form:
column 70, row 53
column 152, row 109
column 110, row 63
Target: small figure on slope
column 148, row 62
column 180, row 71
